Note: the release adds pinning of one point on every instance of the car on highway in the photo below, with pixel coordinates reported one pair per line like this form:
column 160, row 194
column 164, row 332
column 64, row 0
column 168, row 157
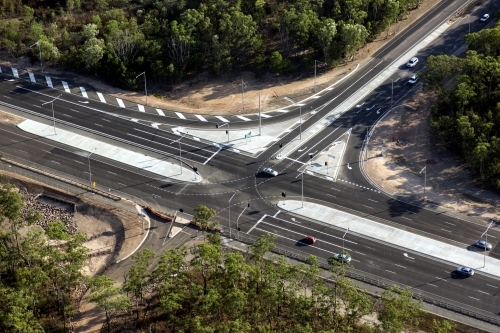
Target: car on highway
column 413, row 62
column 484, row 18
column 483, row 244
column 413, row 79
column 270, row 172
column 465, row 271
column 309, row 240
column 342, row 257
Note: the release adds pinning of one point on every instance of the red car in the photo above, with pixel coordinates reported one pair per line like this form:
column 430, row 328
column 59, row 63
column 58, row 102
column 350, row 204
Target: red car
column 309, row 240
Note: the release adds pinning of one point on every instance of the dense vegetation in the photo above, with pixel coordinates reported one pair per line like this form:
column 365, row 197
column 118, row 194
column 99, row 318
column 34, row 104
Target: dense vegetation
column 169, row 39
column 466, row 116
column 204, row 289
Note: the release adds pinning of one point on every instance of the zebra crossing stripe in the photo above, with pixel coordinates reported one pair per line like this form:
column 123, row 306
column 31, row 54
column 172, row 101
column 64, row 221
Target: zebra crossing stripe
column 101, row 97
column 120, row 103
column 200, row 117
column 0, row 69
column 32, row 77
column 160, row 112
column 284, row 111
column 49, row 81
column 15, row 72
column 265, row 115
column 141, row 108
column 180, row 115
column 84, row 92
column 222, row 119
column 66, row 87
column 244, row 118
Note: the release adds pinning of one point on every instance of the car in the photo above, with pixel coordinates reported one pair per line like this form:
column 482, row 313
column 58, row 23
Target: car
column 465, row 271
column 413, row 79
column 483, row 244
column 309, row 240
column 413, row 62
column 270, row 171
column 342, row 257
column 484, row 18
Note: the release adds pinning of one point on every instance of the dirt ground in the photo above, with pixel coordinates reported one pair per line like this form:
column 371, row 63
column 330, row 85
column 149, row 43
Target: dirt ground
column 208, row 94
column 449, row 183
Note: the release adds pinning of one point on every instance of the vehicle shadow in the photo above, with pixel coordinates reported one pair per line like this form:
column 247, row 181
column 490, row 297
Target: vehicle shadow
column 474, row 248
column 457, row 276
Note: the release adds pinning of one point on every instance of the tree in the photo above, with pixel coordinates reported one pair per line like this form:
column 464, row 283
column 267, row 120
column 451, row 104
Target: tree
column 107, row 296
column 399, row 311
column 203, row 217
column 353, row 36
column 326, row 35
column 93, row 49
column 442, row 326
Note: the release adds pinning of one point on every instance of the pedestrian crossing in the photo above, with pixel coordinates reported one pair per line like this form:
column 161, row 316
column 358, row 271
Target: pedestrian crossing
column 88, row 92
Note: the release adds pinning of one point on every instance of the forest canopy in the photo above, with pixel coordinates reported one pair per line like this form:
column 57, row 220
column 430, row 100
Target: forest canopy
column 172, row 39
column 466, row 116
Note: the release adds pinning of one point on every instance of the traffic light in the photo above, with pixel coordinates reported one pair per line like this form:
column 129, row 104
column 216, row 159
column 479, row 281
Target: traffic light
column 283, row 194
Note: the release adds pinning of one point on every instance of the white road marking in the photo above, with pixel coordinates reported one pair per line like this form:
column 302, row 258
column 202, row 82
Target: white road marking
column 222, row 119
column 200, row 117
column 367, row 206
column 212, row 156
column 141, row 108
column 491, row 285
column 373, row 200
column 284, row 111
column 387, row 98
column 405, row 218
column 84, row 92
column 330, row 195
column 444, row 280
column 430, row 284
column 360, row 253
column 121, row 184
column 371, row 248
column 160, row 112
column 244, row 118
column 445, row 230
column 32, row 77
column 390, row 271
column 120, row 103
column 180, row 115
column 450, row 223
column 333, row 188
column 55, row 162
column 112, row 173
column 15, row 72
column 279, row 211
column 407, row 256
column 66, row 87
column 262, row 218
column 474, row 298
column 101, row 97
column 400, row 266
column 263, row 115
column 155, row 125
column 483, row 292
column 106, row 120
column 98, row 124
column 80, row 162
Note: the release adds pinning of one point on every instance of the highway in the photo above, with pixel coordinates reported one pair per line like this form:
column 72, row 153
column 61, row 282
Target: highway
column 226, row 172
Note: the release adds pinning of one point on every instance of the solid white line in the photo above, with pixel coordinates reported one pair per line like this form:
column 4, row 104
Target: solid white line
column 222, row 119
column 66, row 87
column 49, row 81
column 212, row 156
column 141, row 108
column 200, row 117
column 101, row 97
column 82, row 89
column 279, row 211
column 180, row 115
column 263, row 217
column 244, row 118
column 120, row 103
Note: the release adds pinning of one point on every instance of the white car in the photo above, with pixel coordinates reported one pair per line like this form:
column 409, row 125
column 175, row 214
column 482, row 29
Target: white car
column 482, row 244
column 484, row 18
column 465, row 271
column 342, row 257
column 413, row 79
column 413, row 62
column 270, row 171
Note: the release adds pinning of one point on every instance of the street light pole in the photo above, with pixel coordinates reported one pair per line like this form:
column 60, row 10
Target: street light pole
column 180, row 150
column 425, row 178
column 229, row 208
column 343, row 240
column 53, row 114
column 40, row 52
column 260, row 118
column 302, row 174
column 392, row 92
column 225, row 124
column 90, row 173
column 237, row 227
column 145, row 88
column 486, row 234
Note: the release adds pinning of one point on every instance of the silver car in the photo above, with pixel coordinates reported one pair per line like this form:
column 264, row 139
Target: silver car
column 484, row 18
column 413, row 62
column 270, row 171
column 483, row 244
column 342, row 257
column 413, row 79
column 465, row 271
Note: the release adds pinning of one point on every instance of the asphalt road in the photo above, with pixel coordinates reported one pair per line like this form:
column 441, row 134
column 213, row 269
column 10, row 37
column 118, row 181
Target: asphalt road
column 227, row 172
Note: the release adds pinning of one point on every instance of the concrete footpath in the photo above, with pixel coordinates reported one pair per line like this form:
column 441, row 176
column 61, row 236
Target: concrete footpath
column 394, row 236
column 100, row 148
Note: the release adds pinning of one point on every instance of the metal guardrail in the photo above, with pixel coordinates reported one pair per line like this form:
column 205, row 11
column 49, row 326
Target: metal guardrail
column 364, row 277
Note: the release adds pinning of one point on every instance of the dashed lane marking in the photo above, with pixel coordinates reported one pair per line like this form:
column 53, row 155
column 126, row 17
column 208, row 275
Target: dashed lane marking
column 32, row 77
column 180, row 115
column 141, row 108
column 84, row 92
column 222, row 119
column 265, row 115
column 120, row 102
column 200, row 117
column 101, row 97
column 244, row 118
column 66, row 87
column 49, row 81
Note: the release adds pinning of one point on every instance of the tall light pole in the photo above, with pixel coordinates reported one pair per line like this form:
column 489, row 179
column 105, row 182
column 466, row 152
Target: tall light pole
column 345, row 233
column 225, row 124
column 180, row 151
column 237, row 227
column 260, row 117
column 316, row 61
column 302, row 181
column 229, row 208
column 90, row 173
column 40, row 52
column 53, row 114
column 145, row 88
column 425, row 178
column 486, row 233
column 300, row 117
column 392, row 92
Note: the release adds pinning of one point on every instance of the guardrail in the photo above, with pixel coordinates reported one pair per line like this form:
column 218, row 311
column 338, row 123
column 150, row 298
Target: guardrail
column 373, row 280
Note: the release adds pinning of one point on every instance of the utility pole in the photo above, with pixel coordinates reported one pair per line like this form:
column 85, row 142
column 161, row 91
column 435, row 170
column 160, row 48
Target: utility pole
column 260, row 117
column 425, row 178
